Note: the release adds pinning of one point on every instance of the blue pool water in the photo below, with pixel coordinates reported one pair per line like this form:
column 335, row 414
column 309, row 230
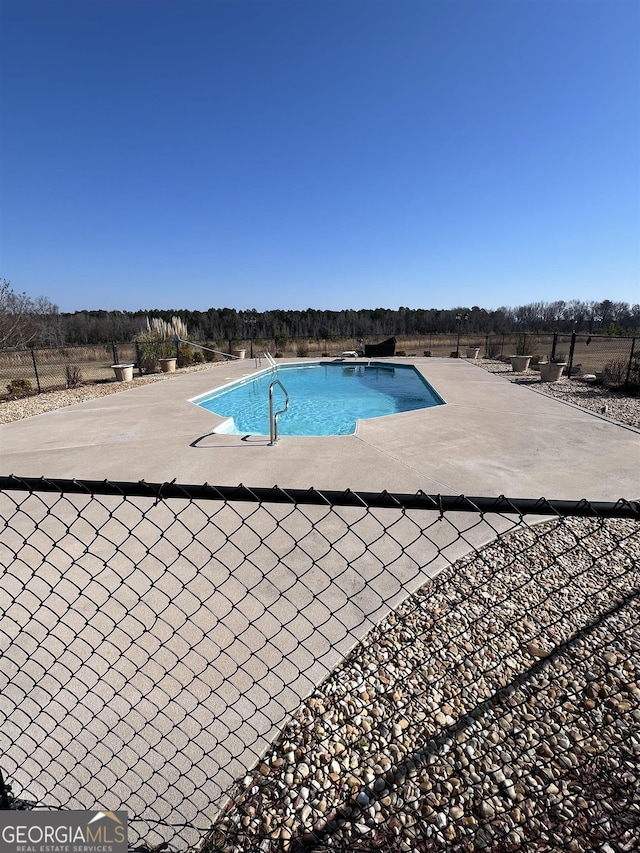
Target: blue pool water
column 324, row 399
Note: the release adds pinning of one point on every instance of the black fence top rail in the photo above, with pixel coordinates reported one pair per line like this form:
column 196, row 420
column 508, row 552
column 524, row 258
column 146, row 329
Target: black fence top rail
column 621, row 508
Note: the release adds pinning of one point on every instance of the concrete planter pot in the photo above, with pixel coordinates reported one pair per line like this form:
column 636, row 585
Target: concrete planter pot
column 520, row 363
column 473, row 352
column 168, row 365
column 123, row 372
column 239, row 353
column 551, row 371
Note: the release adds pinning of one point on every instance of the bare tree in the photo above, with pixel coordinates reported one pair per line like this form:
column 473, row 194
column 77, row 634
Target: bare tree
column 19, row 316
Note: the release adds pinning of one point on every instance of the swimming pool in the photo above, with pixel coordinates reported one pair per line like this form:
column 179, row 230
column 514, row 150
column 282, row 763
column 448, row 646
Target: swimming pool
column 324, row 399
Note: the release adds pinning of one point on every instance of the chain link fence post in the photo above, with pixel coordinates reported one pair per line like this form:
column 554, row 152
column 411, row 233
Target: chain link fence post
column 35, row 369
column 633, row 345
column 571, row 351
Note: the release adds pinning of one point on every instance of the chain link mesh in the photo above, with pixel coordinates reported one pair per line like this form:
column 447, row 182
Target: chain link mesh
column 24, row 371
column 611, row 358
column 254, row 669
column 35, row 370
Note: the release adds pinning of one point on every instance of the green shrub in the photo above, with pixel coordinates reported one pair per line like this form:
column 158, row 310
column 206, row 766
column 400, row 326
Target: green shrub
column 208, row 355
column 185, row 356
column 401, row 352
column 279, row 354
column 427, row 353
column 492, row 350
column 198, row 357
column 302, row 350
column 20, row 387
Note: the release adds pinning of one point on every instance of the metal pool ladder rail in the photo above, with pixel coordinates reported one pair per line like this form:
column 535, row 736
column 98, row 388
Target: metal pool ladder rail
column 273, row 417
column 271, row 360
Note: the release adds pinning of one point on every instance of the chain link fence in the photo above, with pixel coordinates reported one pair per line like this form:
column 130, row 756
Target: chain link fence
column 287, row 670
column 35, row 370
column 614, row 360
column 611, row 359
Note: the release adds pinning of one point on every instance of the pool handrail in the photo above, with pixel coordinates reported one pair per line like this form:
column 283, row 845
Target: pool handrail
column 273, row 417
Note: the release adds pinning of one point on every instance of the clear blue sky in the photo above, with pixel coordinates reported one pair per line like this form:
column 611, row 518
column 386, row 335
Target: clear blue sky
column 320, row 153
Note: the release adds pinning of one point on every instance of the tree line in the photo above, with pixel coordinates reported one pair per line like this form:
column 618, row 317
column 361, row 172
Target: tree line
column 38, row 322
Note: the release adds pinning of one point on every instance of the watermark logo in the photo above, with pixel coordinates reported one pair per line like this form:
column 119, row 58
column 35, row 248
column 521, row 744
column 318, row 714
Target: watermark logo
column 63, row 832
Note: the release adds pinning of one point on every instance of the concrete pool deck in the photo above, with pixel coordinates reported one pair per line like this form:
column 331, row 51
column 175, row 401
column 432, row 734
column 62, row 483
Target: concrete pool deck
column 493, row 437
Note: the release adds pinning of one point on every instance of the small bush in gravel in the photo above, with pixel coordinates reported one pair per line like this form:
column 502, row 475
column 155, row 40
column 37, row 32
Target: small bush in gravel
column 615, row 373
column 74, row 376
column 20, row 388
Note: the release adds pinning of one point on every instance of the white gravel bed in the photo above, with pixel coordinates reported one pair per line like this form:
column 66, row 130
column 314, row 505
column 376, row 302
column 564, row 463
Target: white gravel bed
column 496, row 709
column 38, row 404
column 602, row 401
